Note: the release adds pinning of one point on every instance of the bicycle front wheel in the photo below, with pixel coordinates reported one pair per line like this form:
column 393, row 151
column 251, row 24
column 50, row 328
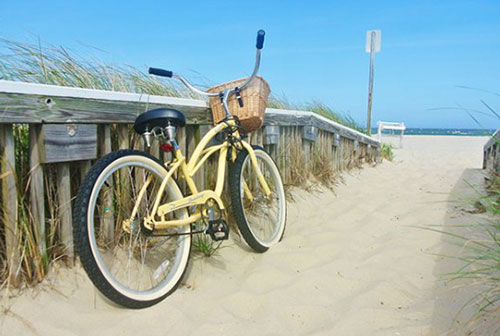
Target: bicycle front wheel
column 260, row 218
column 124, row 261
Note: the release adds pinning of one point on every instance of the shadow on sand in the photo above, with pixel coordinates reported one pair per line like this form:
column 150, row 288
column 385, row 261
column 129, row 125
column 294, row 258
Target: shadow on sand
column 454, row 312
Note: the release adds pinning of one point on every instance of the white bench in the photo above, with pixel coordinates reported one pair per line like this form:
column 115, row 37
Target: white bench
column 394, row 126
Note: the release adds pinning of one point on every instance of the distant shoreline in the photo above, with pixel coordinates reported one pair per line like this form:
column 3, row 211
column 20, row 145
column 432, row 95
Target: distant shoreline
column 444, row 131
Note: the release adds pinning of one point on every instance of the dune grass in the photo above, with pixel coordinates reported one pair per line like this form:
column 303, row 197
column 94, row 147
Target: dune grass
column 481, row 253
column 57, row 66
column 282, row 102
column 48, row 64
column 480, row 266
column 386, row 152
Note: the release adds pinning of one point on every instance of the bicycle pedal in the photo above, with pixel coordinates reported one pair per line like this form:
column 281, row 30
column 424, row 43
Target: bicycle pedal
column 218, row 230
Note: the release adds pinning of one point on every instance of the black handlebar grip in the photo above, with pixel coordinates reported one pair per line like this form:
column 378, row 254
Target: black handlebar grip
column 160, row 72
column 260, row 39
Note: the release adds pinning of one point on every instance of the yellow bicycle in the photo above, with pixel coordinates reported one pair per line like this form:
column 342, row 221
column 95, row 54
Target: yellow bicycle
column 132, row 224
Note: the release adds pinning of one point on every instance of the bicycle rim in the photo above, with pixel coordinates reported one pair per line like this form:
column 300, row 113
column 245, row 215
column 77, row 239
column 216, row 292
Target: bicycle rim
column 137, row 265
column 265, row 216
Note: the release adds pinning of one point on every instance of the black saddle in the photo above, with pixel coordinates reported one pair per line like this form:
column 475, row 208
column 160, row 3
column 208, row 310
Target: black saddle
column 159, row 117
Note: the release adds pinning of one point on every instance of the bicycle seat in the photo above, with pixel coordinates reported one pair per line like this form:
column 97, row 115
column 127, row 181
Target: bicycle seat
column 158, row 117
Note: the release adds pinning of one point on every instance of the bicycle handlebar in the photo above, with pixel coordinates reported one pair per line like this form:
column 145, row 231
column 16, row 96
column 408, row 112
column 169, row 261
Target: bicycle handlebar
column 160, row 72
column 260, row 39
column 259, row 45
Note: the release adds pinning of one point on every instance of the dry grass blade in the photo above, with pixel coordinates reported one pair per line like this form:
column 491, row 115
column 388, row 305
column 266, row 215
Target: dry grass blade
column 47, row 64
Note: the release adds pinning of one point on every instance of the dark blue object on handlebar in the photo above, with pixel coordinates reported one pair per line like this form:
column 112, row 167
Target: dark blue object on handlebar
column 260, row 39
column 160, row 72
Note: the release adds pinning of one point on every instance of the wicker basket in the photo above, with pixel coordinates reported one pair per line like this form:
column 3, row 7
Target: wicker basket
column 254, row 97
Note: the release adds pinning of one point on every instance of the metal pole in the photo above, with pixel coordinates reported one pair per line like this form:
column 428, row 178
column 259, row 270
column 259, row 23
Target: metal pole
column 370, row 85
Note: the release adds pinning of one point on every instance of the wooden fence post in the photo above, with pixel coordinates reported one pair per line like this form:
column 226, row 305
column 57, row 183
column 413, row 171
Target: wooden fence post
column 108, row 219
column 270, row 140
column 37, row 191
column 309, row 136
column 282, row 153
column 84, row 168
column 123, row 139
column 192, row 139
column 64, row 199
column 204, row 171
column 9, row 205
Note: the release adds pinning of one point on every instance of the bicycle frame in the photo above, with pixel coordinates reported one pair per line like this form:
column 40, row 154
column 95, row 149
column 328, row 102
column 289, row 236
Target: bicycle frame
column 188, row 170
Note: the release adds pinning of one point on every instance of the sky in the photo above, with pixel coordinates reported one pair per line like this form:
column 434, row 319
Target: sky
column 314, row 50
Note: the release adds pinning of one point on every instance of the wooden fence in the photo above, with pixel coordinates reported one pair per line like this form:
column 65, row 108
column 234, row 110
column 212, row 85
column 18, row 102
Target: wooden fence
column 491, row 155
column 66, row 129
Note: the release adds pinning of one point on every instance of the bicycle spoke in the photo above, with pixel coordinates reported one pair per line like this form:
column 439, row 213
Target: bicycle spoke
column 262, row 213
column 136, row 260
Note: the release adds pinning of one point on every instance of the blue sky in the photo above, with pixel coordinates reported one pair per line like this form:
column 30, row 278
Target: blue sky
column 313, row 50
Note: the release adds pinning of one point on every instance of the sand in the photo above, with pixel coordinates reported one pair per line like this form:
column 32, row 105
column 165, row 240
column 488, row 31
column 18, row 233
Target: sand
column 353, row 262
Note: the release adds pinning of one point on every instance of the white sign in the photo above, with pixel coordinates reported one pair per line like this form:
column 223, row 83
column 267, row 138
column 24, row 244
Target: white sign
column 377, row 40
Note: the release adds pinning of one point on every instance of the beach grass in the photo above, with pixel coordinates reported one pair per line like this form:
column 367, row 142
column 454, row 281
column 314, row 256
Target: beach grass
column 282, row 102
column 480, row 255
column 481, row 246
column 48, row 64
column 386, row 152
column 56, row 65
column 204, row 245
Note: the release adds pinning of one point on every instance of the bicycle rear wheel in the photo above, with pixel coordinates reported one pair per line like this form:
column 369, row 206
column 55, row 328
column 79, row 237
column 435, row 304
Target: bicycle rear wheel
column 261, row 219
column 129, row 265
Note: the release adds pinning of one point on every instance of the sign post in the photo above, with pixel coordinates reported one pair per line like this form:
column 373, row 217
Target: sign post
column 373, row 42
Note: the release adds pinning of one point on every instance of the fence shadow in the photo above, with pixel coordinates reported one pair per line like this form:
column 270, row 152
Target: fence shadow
column 454, row 311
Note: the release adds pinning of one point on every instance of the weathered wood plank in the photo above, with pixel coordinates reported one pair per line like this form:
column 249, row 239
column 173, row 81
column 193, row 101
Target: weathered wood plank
column 9, row 205
column 122, row 187
column 281, row 153
column 84, row 168
column 308, row 120
column 305, row 118
column 310, row 133
column 155, row 149
column 37, row 191
column 271, row 134
column 22, row 108
column 107, row 220
column 36, row 103
column 75, row 92
column 490, row 159
column 336, row 141
column 181, row 140
column 69, row 142
column 64, row 199
column 104, row 140
column 306, row 147
column 123, row 137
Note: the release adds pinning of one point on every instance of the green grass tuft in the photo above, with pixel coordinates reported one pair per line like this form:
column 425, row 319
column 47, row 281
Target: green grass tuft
column 204, row 245
column 386, row 152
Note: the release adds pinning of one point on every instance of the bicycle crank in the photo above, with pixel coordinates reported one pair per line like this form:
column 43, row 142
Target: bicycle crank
column 212, row 216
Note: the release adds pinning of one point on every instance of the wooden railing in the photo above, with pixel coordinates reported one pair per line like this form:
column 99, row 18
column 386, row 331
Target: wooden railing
column 491, row 155
column 68, row 128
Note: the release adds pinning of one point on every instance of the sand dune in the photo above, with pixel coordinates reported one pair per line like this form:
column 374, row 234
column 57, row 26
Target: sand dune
column 353, row 262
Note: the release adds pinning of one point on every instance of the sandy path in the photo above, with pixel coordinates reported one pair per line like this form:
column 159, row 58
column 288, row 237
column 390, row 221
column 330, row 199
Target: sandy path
column 353, row 263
